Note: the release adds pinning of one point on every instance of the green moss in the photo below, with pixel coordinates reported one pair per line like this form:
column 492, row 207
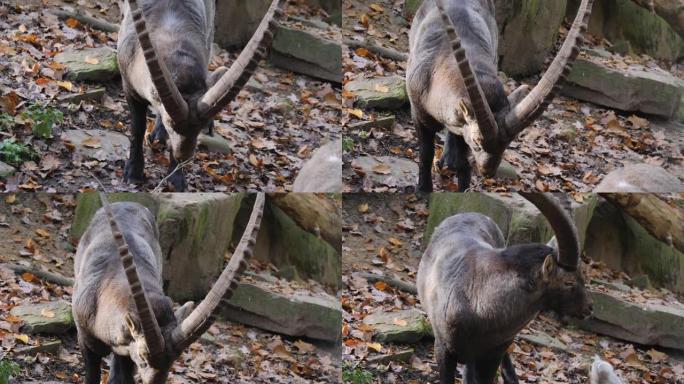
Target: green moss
column 299, row 254
column 88, row 203
column 663, row 264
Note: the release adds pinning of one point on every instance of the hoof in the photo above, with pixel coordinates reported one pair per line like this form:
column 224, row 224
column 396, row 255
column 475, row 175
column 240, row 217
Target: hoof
column 177, row 182
column 133, row 173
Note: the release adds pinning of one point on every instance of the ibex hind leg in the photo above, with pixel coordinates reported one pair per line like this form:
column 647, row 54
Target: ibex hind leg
column 484, row 370
column 122, row 371
column 159, row 133
column 92, row 361
column 447, row 364
column 508, row 370
column 455, row 158
column 135, row 166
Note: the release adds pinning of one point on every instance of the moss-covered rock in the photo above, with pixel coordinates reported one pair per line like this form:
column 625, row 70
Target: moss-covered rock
column 643, row 324
column 195, row 230
column 298, row 254
column 407, row 326
column 635, row 90
column 518, row 219
column 623, row 244
column 623, row 22
column 381, row 92
column 301, row 314
column 94, row 64
column 304, row 52
column 528, row 33
column 51, row 318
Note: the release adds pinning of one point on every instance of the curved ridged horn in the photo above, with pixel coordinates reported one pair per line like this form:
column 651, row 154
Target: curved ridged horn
column 148, row 322
column 205, row 313
column 230, row 84
column 170, row 96
column 535, row 103
column 486, row 122
column 563, row 226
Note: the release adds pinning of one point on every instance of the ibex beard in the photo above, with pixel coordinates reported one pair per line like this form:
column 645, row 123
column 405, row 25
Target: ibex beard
column 479, row 294
column 163, row 53
column 452, row 82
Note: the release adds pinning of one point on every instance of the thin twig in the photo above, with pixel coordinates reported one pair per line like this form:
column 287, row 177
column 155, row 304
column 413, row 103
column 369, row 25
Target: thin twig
column 94, row 22
column 39, row 273
column 178, row 167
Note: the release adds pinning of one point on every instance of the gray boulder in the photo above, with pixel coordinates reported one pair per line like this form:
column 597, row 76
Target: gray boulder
column 407, row 326
column 51, row 318
column 307, row 53
column 634, row 90
column 648, row 324
column 640, row 178
column 98, row 144
column 381, row 92
column 300, row 314
column 624, row 245
column 89, row 64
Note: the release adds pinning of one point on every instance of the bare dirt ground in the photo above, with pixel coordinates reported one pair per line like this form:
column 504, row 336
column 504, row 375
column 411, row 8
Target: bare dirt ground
column 272, row 127
column 571, row 148
column 383, row 234
column 34, row 230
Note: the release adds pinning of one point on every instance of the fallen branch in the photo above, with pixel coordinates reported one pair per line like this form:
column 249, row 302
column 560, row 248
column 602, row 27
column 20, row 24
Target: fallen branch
column 94, row 22
column 391, row 281
column 43, row 275
column 381, row 51
column 660, row 219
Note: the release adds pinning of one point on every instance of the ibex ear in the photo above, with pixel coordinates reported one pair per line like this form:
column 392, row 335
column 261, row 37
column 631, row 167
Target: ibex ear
column 182, row 312
column 214, row 76
column 548, row 268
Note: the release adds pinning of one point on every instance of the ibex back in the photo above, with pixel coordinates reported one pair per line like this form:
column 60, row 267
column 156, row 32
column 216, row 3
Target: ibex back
column 453, row 83
column 163, row 54
column 479, row 294
column 124, row 309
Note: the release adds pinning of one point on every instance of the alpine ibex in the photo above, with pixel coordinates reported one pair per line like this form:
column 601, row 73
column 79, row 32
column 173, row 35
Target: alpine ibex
column 124, row 309
column 163, row 54
column 478, row 293
column 452, row 83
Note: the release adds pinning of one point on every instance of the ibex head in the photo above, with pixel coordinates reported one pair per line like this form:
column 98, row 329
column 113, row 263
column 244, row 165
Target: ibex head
column 185, row 114
column 560, row 274
column 154, row 343
column 492, row 123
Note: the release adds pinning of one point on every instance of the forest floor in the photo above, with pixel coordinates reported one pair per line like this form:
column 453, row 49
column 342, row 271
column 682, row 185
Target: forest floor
column 272, row 127
column 34, row 230
column 543, row 156
column 383, row 234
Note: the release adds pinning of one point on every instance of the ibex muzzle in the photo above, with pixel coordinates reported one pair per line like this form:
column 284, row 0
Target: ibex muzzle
column 124, row 309
column 479, row 294
column 452, row 83
column 163, row 54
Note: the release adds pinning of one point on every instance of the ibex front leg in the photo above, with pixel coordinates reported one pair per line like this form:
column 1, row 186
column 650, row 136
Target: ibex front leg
column 135, row 166
column 122, row 370
column 455, row 158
